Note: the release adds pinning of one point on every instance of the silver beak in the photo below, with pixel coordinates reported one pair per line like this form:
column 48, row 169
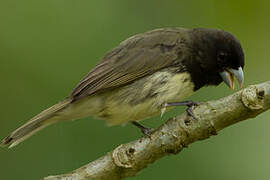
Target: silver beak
column 228, row 76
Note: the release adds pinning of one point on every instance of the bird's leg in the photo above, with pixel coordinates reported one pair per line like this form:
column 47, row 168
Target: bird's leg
column 146, row 131
column 189, row 104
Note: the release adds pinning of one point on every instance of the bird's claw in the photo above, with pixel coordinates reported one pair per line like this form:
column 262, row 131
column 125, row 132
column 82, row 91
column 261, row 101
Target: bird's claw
column 147, row 131
column 190, row 105
column 189, row 111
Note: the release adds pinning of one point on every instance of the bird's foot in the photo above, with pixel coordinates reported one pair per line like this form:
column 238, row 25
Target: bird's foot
column 146, row 131
column 189, row 104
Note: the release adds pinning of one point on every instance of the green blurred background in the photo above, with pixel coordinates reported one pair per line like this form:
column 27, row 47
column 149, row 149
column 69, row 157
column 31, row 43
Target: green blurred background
column 46, row 47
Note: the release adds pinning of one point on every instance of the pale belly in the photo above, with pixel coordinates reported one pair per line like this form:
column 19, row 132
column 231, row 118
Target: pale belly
column 146, row 98
column 140, row 100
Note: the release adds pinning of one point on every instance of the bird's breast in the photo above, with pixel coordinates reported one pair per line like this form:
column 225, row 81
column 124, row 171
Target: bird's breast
column 146, row 97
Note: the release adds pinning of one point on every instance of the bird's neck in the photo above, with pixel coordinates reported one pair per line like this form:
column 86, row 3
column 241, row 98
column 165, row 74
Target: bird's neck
column 199, row 76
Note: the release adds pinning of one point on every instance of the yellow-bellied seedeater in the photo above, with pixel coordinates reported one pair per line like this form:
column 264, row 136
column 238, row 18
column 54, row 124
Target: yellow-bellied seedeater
column 144, row 74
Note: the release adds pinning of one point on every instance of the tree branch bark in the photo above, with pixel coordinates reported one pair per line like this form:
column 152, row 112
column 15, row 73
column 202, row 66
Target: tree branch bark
column 177, row 133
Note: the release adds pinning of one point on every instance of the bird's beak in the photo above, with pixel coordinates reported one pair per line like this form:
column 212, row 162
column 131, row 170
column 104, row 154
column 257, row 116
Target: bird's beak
column 228, row 77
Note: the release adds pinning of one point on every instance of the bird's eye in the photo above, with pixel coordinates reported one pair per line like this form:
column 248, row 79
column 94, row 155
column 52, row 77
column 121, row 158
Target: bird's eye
column 222, row 56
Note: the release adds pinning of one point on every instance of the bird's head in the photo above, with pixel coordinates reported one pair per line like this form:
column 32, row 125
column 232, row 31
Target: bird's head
column 219, row 56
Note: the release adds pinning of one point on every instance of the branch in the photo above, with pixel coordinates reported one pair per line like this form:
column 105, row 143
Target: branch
column 177, row 133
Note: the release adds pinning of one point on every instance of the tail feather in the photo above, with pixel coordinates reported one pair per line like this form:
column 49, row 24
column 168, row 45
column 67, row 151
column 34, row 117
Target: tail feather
column 42, row 120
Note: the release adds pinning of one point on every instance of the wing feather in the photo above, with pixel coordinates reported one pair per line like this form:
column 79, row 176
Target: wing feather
column 136, row 57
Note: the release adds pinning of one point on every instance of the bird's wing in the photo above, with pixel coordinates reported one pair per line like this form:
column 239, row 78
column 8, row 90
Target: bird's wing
column 134, row 58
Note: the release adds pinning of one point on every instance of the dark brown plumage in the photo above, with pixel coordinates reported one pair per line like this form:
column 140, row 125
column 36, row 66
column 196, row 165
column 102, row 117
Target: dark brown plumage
column 136, row 57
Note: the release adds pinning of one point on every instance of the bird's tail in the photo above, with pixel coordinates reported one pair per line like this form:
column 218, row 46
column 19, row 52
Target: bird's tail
column 42, row 120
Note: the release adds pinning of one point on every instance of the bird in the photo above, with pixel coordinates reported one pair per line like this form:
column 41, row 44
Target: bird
column 142, row 75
